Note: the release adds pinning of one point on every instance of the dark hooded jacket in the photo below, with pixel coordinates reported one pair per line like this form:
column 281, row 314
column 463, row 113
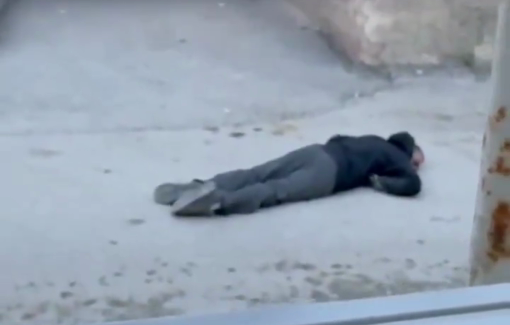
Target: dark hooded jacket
column 359, row 158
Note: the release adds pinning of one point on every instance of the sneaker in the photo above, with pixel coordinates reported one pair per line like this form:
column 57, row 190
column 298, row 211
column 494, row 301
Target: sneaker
column 168, row 193
column 199, row 201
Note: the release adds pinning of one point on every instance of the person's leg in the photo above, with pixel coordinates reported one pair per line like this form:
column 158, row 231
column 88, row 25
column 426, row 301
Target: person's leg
column 314, row 177
column 276, row 168
column 302, row 185
column 168, row 193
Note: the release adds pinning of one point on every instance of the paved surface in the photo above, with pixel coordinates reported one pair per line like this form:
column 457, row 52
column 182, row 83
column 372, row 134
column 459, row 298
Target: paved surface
column 101, row 102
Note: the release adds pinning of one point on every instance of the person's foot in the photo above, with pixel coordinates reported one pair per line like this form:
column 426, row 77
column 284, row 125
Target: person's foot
column 168, row 193
column 199, row 201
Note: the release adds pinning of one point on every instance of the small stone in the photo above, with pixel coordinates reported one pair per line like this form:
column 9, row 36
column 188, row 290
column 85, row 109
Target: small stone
column 237, row 134
column 136, row 222
column 213, row 129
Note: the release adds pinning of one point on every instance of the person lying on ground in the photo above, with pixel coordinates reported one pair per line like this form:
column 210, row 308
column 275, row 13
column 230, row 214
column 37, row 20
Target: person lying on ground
column 311, row 172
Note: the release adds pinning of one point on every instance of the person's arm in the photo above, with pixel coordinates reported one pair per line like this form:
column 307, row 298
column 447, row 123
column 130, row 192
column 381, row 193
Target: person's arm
column 404, row 183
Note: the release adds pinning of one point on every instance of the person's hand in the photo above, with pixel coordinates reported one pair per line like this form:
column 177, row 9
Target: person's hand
column 374, row 180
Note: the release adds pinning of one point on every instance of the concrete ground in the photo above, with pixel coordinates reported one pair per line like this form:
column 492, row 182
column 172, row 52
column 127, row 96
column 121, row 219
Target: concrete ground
column 100, row 102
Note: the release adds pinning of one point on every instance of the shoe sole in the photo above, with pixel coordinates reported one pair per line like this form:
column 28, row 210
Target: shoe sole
column 198, row 198
column 166, row 194
column 169, row 193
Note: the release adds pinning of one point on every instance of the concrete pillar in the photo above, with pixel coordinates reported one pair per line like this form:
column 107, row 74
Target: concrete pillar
column 490, row 246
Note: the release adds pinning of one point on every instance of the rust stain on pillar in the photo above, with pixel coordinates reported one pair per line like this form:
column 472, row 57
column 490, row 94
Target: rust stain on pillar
column 499, row 167
column 498, row 117
column 498, row 232
column 500, row 114
column 505, row 147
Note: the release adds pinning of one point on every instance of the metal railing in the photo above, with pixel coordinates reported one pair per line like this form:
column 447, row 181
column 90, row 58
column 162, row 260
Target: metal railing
column 447, row 303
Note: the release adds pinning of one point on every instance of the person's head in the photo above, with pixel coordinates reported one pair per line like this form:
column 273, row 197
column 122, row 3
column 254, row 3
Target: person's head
column 406, row 142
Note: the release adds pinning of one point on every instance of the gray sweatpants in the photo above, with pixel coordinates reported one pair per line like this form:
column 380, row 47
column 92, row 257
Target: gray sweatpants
column 303, row 174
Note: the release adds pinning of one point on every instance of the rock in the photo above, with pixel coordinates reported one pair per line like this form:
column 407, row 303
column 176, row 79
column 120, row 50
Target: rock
column 400, row 32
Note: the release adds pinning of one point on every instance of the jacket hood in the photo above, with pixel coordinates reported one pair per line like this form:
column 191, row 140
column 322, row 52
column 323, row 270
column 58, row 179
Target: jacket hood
column 404, row 141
